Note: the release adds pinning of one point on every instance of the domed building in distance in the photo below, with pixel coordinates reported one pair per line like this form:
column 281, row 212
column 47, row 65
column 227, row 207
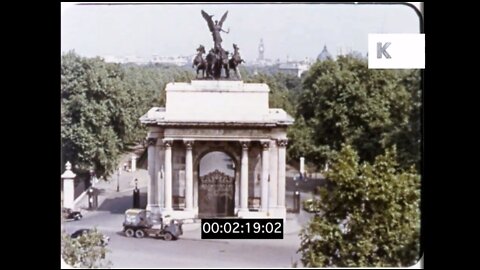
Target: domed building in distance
column 324, row 55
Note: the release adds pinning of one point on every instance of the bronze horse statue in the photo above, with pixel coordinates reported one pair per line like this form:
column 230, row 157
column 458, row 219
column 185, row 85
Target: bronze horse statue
column 211, row 62
column 216, row 60
column 199, row 62
column 235, row 61
column 222, row 58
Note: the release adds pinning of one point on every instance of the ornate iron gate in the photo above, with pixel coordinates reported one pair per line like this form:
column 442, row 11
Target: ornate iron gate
column 216, row 195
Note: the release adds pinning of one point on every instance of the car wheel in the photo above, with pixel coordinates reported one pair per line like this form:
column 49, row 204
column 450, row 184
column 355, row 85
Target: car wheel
column 139, row 233
column 168, row 236
column 129, row 232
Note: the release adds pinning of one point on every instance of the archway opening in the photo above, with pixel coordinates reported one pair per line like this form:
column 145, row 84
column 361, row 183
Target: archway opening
column 216, row 185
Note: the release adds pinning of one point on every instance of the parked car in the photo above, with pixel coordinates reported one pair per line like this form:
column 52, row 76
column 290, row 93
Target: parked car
column 68, row 213
column 141, row 223
column 79, row 233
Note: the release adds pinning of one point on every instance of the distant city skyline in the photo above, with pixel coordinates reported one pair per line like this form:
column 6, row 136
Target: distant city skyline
column 296, row 31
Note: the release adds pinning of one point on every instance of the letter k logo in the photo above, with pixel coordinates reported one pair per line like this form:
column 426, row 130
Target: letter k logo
column 383, row 50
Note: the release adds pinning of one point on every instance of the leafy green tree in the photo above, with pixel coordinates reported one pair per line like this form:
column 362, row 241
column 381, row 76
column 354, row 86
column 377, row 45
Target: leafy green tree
column 345, row 102
column 370, row 215
column 291, row 83
column 279, row 96
column 86, row 251
column 408, row 137
column 301, row 143
column 152, row 79
column 91, row 113
column 101, row 104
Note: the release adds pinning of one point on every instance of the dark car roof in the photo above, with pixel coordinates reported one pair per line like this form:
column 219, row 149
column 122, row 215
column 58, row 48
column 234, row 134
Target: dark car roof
column 79, row 232
column 104, row 241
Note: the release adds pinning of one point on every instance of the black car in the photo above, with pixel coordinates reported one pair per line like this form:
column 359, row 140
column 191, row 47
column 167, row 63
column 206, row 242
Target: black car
column 78, row 233
column 68, row 213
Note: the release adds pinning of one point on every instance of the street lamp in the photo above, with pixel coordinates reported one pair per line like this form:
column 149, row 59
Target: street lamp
column 92, row 172
column 90, row 198
column 118, row 179
column 136, row 196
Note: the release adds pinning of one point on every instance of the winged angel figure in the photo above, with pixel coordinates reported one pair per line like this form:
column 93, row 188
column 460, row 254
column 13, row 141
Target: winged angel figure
column 216, row 29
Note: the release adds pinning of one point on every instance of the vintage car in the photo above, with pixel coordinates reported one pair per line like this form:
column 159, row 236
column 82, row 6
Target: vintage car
column 80, row 232
column 141, row 223
column 68, row 213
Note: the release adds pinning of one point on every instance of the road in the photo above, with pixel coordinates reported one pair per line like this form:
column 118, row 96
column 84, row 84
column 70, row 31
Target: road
column 189, row 250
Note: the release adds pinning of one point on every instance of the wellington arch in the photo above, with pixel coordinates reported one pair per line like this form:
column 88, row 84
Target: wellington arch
column 217, row 150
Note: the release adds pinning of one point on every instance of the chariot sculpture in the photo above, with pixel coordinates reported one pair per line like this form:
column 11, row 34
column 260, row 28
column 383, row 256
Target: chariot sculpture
column 217, row 58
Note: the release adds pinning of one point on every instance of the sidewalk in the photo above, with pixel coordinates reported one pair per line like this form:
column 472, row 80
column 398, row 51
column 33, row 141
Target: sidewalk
column 124, row 182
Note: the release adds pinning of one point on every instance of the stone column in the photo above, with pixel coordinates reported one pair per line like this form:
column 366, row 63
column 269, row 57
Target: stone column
column 188, row 175
column 134, row 163
column 168, row 174
column 152, row 183
column 244, row 177
column 237, row 186
column 68, row 186
column 160, row 173
column 195, row 192
column 265, row 175
column 161, row 186
column 282, row 143
column 273, row 185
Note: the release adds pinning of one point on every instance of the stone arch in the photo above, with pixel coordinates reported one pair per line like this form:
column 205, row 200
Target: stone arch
column 216, row 185
column 207, row 147
column 233, row 151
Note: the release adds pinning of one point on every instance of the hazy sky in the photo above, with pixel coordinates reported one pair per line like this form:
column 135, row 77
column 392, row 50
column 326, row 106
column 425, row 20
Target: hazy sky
column 297, row 30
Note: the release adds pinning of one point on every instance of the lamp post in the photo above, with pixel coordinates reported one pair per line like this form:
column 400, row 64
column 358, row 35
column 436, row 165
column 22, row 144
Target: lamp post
column 296, row 194
column 118, row 179
column 92, row 182
column 90, row 198
column 136, row 196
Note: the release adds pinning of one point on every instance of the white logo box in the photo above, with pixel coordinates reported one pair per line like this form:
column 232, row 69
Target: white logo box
column 406, row 51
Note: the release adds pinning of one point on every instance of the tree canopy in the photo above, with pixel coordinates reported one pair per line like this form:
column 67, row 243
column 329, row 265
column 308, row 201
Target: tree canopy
column 281, row 86
column 335, row 102
column 343, row 101
column 101, row 104
column 370, row 215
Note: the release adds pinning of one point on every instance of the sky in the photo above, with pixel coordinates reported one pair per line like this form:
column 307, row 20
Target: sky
column 294, row 30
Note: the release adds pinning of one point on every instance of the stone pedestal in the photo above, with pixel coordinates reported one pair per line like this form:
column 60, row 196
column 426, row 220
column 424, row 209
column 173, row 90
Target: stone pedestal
column 68, row 187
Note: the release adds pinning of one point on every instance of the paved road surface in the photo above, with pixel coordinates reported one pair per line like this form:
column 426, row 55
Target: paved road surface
column 189, row 250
